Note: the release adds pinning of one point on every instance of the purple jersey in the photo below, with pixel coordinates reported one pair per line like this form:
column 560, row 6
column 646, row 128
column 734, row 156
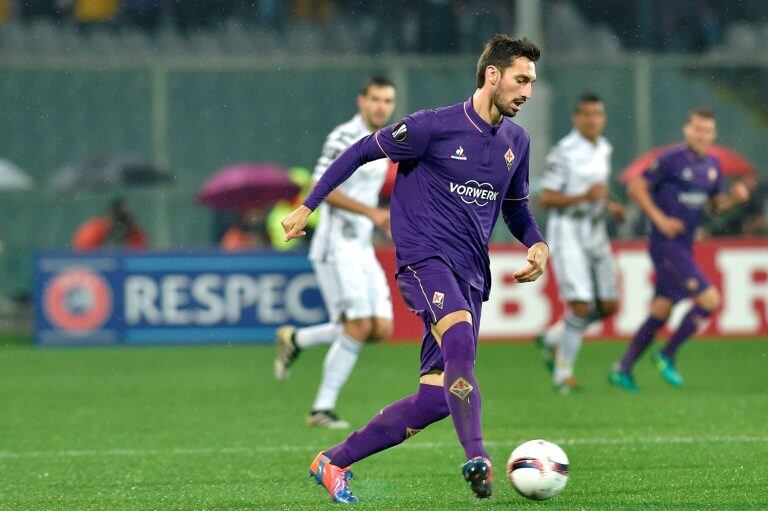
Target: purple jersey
column 455, row 171
column 681, row 183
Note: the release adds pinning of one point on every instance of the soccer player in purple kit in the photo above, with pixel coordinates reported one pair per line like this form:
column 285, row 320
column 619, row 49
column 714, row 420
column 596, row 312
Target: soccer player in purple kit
column 459, row 167
column 673, row 193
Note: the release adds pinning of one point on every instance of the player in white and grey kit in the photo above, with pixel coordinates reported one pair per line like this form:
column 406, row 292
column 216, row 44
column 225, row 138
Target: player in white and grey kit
column 575, row 190
column 351, row 280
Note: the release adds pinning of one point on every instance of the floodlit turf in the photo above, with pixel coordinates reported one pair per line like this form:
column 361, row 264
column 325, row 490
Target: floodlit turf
column 206, row 428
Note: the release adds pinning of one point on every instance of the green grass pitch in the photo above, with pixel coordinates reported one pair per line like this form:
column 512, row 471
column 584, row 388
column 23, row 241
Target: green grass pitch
column 207, row 428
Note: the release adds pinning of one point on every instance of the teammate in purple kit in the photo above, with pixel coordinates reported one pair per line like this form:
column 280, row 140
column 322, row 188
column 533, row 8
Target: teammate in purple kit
column 459, row 167
column 673, row 193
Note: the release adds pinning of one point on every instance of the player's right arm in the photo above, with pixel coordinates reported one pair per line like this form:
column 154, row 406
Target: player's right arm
column 406, row 140
column 639, row 191
column 379, row 216
column 554, row 182
column 553, row 199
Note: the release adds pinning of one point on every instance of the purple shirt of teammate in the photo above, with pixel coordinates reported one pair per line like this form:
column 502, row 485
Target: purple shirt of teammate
column 682, row 184
column 456, row 173
column 674, row 193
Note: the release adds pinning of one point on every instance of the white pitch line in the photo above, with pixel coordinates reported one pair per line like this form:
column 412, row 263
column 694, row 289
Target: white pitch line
column 201, row 451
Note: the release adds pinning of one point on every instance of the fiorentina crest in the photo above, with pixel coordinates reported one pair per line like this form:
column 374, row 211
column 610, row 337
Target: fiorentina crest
column 509, row 157
column 461, row 388
column 438, row 299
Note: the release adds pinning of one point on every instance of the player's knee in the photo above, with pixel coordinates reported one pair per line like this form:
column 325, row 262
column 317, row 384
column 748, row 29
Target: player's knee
column 359, row 329
column 451, row 319
column 382, row 329
column 661, row 308
column 606, row 308
column 580, row 309
column 709, row 299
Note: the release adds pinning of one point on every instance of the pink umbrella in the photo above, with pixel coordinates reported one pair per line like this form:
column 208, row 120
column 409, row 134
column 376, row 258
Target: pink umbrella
column 247, row 185
column 733, row 163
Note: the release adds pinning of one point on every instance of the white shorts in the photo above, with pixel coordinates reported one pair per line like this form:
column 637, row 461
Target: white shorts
column 584, row 277
column 354, row 286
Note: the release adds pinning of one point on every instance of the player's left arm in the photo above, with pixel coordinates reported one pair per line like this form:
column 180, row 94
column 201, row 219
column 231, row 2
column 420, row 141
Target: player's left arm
column 521, row 223
column 739, row 194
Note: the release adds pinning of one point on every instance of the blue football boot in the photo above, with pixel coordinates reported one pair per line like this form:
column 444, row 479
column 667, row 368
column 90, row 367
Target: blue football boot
column 334, row 479
column 666, row 366
column 478, row 472
column 623, row 380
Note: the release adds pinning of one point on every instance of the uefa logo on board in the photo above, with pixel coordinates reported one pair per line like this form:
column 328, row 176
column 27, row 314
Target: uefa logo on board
column 77, row 300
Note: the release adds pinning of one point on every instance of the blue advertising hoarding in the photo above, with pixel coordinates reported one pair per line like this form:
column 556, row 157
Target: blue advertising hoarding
column 157, row 298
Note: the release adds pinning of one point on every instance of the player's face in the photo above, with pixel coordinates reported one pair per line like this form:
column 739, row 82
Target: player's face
column 514, row 86
column 699, row 133
column 589, row 120
column 377, row 105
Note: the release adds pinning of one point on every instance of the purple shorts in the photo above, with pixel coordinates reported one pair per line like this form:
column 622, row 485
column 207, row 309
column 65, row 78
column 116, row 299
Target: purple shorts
column 677, row 274
column 431, row 290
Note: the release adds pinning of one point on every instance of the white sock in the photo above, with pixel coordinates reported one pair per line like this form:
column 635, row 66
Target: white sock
column 338, row 365
column 318, row 334
column 554, row 334
column 569, row 346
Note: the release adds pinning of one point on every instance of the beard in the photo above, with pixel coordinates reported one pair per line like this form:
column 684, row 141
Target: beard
column 505, row 109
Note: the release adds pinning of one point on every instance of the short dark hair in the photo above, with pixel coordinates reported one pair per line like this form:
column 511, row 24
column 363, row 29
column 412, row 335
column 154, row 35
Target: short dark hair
column 501, row 51
column 375, row 81
column 586, row 97
column 700, row 111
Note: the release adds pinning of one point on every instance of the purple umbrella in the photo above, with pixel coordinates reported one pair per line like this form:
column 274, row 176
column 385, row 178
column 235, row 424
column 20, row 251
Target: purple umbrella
column 247, row 185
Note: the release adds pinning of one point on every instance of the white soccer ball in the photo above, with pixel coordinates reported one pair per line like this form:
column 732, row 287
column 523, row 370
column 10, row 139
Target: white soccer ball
column 538, row 469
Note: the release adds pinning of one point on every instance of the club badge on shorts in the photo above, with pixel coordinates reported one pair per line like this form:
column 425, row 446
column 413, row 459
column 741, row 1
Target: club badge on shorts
column 438, row 299
column 509, row 157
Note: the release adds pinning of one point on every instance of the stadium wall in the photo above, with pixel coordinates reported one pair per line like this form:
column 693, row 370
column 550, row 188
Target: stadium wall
column 214, row 297
column 738, row 267
column 193, row 116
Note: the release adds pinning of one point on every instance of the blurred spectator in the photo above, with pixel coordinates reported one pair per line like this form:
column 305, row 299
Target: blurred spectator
column 270, row 14
column 195, row 15
column 5, row 10
column 302, row 177
column 146, row 15
column 32, row 9
column 314, row 10
column 248, row 233
column 95, row 11
column 117, row 229
column 711, row 30
column 437, row 29
column 426, row 26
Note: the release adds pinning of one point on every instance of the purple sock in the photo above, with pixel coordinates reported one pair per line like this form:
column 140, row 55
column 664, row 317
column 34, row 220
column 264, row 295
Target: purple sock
column 392, row 425
column 695, row 318
column 461, row 390
column 643, row 338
